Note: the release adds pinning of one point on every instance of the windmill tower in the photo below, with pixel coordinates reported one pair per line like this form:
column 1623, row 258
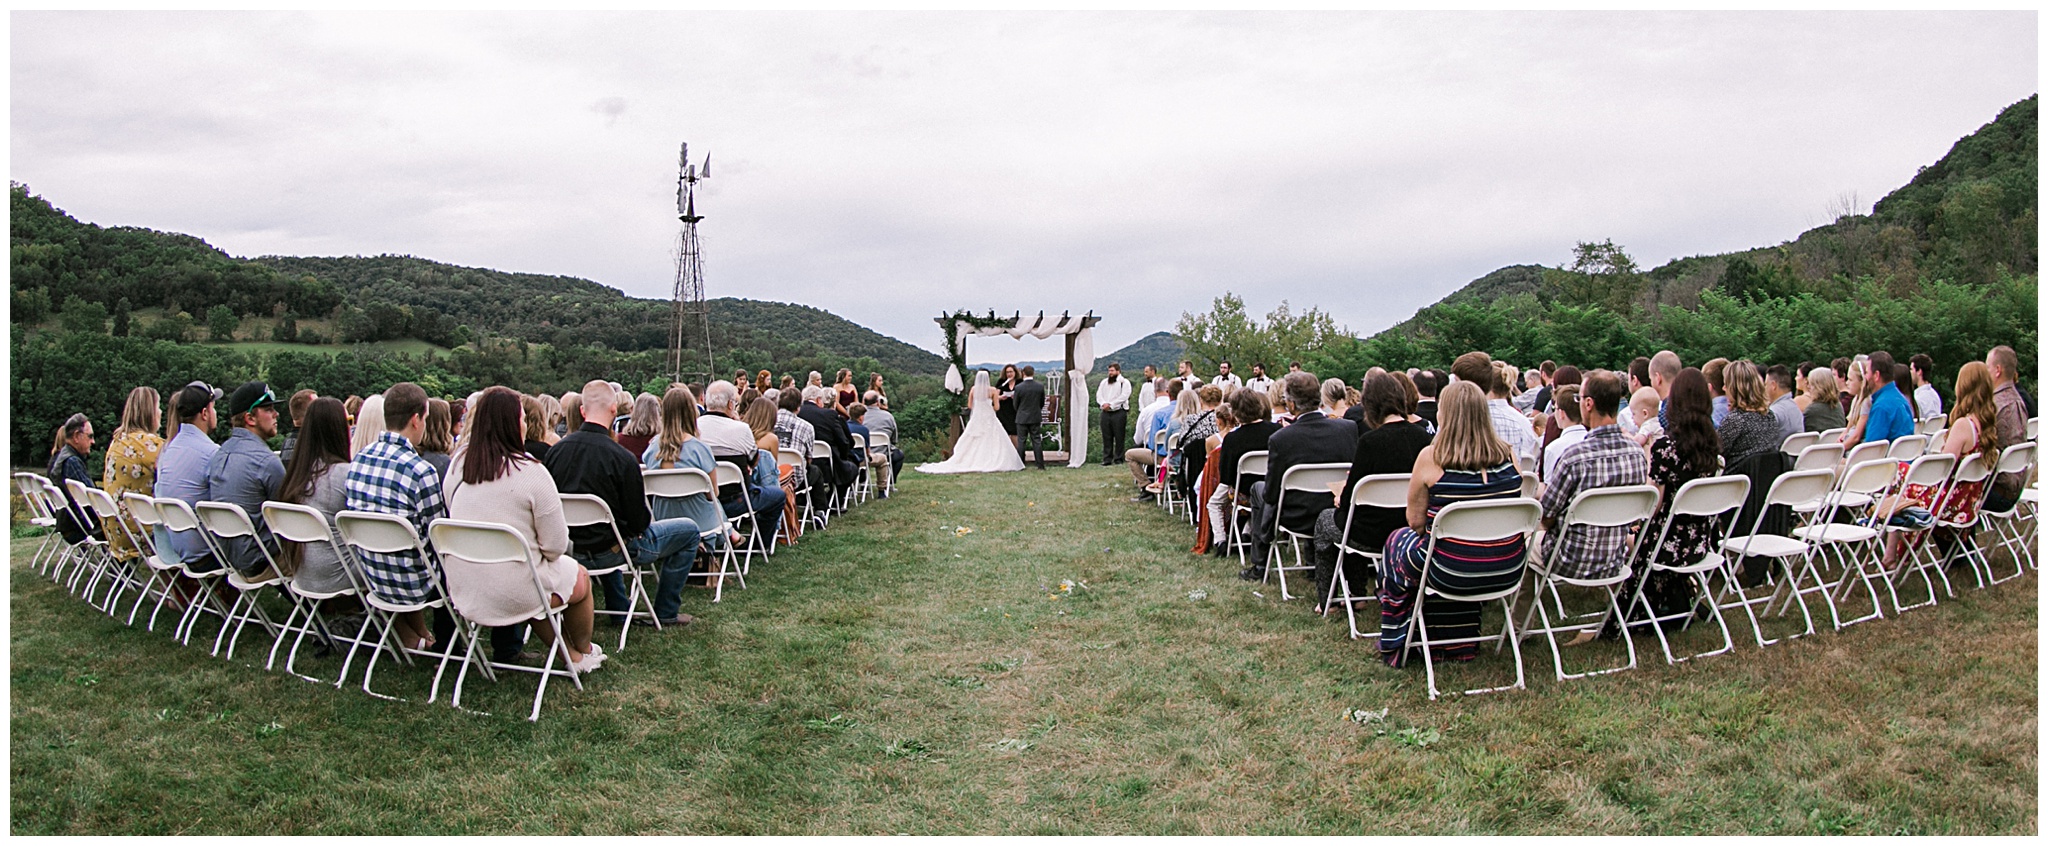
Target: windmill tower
column 692, row 317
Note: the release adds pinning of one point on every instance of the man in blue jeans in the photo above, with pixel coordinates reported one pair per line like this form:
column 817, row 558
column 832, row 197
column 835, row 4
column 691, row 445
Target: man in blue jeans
column 590, row 461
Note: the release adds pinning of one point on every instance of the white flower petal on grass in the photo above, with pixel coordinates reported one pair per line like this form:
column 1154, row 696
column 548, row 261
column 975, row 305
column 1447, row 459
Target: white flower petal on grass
column 1197, row 595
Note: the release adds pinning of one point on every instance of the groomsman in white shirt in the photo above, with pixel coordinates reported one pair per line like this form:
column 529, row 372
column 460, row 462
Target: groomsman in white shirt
column 1187, row 377
column 1225, row 379
column 1259, row 382
column 1114, row 395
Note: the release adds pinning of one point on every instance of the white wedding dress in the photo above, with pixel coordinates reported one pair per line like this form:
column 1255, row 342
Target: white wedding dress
column 983, row 446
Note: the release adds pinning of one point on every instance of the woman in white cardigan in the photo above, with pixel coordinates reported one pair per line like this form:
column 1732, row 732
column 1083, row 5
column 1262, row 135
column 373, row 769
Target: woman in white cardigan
column 497, row 482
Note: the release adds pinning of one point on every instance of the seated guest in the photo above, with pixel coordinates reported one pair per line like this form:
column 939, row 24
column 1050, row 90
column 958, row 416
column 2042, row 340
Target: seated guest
column 501, row 483
column 678, row 445
column 1466, row 462
column 646, row 423
column 388, row 476
column 1255, row 429
column 589, row 461
column 1194, row 438
column 1974, row 431
column 297, row 409
column 369, row 423
column 1686, row 450
column 1603, row 458
column 1748, row 429
column 1552, row 425
column 572, row 416
column 181, row 468
column 553, row 408
column 1823, row 406
column 534, row 431
column 1890, row 417
column 732, row 439
column 854, row 412
column 245, row 472
column 880, row 420
column 131, row 459
column 438, row 440
column 759, row 415
column 1642, row 407
column 795, row 433
column 1312, row 438
column 1508, row 425
column 1142, row 458
column 318, row 477
column 1209, row 526
column 829, row 479
column 1573, row 430
column 1717, row 384
column 1389, row 443
column 1783, row 402
column 1414, row 398
column 1427, row 384
column 1336, row 399
column 73, row 442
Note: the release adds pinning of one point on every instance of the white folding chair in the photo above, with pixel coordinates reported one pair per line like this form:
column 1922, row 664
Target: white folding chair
column 1797, row 443
column 1249, row 464
column 834, row 499
column 1301, row 480
column 93, row 554
column 497, row 553
column 1484, row 521
column 805, row 509
column 1849, row 545
column 121, row 575
column 208, row 570
column 878, row 457
column 1382, row 490
column 1931, row 425
column 305, row 525
column 2005, row 525
column 590, row 510
column 1973, row 470
column 225, row 521
column 1796, row 487
column 162, row 572
column 1630, row 506
column 41, row 517
column 1715, row 499
column 390, row 534
column 1833, row 436
column 729, row 475
column 1936, row 440
column 1907, row 447
column 1934, row 471
column 2033, row 428
column 686, row 482
column 1169, row 491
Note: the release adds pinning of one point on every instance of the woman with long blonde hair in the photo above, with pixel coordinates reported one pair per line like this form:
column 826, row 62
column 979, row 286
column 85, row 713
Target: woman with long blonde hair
column 131, row 457
column 1466, row 462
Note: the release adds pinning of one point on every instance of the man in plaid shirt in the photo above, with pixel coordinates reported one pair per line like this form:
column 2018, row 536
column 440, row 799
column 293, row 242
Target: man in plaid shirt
column 390, row 477
column 1607, row 458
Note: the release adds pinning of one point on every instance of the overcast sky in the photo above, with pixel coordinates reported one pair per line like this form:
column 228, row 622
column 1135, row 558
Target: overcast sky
column 888, row 167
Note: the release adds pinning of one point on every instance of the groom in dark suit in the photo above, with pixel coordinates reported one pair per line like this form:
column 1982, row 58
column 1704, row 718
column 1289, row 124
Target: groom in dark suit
column 1029, row 396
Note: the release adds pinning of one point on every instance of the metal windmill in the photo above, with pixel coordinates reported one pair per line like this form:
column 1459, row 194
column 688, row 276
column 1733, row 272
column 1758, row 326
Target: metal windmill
column 692, row 316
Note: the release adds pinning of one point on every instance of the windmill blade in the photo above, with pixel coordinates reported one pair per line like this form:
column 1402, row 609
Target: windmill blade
column 684, row 159
column 707, row 166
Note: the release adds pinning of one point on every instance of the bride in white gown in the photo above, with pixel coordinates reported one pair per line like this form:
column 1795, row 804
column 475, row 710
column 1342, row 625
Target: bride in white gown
column 983, row 446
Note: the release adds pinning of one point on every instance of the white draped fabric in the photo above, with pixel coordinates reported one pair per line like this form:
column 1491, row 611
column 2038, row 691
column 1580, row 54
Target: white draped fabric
column 1025, row 324
column 1084, row 351
column 953, row 384
column 1046, row 330
column 1077, row 412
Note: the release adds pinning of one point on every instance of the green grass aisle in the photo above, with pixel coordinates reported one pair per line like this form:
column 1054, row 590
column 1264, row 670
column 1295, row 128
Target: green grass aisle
column 1024, row 654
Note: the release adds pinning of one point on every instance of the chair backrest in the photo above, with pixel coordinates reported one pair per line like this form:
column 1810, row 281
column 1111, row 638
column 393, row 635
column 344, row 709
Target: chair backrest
column 1931, row 469
column 1252, row 463
column 295, row 522
column 1487, row 519
column 1710, row 496
column 1870, row 476
column 1618, row 506
column 730, row 474
column 821, row 451
column 377, row 532
column 1932, row 424
column 1937, row 440
column 79, row 498
column 176, row 513
column 1797, row 443
column 1820, row 456
column 1973, row 468
column 2016, row 459
column 225, row 519
column 676, row 483
column 1908, row 448
column 878, row 440
column 102, row 503
column 1314, row 478
column 1866, row 451
column 143, row 508
column 1159, row 440
column 491, row 553
column 1833, row 436
column 31, row 485
column 1525, row 464
column 2033, row 427
column 1381, row 490
column 789, row 456
column 1799, row 487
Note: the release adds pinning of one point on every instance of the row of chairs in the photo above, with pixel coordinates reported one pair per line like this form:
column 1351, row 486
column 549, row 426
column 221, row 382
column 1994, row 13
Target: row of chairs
column 1826, row 488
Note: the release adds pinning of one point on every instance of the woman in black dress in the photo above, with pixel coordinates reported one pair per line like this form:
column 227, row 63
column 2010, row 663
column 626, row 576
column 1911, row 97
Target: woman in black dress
column 1688, row 449
column 1006, row 411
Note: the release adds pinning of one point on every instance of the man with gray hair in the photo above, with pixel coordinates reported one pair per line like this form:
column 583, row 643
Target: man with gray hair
column 731, row 439
column 880, row 421
column 828, row 479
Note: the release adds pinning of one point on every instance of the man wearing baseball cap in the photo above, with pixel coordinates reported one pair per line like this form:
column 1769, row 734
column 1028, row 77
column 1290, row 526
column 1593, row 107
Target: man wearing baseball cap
column 181, row 467
column 245, row 472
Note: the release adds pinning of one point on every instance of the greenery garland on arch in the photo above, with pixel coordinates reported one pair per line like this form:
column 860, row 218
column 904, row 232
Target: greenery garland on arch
column 956, row 352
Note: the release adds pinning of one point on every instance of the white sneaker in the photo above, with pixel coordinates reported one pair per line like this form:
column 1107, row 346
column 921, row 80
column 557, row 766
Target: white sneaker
column 591, row 661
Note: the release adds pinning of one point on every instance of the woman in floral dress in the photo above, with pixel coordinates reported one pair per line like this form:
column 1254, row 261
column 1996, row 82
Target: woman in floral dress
column 131, row 459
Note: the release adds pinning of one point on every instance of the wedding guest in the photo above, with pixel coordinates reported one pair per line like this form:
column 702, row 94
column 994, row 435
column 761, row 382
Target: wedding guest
column 1643, row 409
column 732, row 439
column 1778, row 386
column 1823, row 402
column 68, row 451
column 1717, row 386
column 535, row 417
column 246, row 473
column 1748, row 429
column 589, row 461
column 1889, row 418
column 1254, row 432
column 297, row 409
column 317, row 476
column 1389, row 443
column 438, row 440
column 2009, row 417
column 646, row 423
column 131, row 459
column 1313, row 438
column 880, row 420
column 369, row 423
column 1689, row 449
column 388, row 476
column 1207, row 540
column 1567, row 415
column 1926, row 400
column 1466, row 462
column 181, row 466
column 1603, row 458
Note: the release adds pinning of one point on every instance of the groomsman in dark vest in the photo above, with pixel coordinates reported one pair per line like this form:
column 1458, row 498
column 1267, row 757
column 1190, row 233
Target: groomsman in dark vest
column 1029, row 396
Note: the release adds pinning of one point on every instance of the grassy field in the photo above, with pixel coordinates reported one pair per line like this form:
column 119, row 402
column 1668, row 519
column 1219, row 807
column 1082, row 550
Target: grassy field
column 900, row 674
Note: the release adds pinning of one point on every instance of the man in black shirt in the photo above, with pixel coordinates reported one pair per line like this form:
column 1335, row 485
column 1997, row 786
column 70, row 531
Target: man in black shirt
column 589, row 461
column 1426, row 384
column 1255, row 427
column 1313, row 438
